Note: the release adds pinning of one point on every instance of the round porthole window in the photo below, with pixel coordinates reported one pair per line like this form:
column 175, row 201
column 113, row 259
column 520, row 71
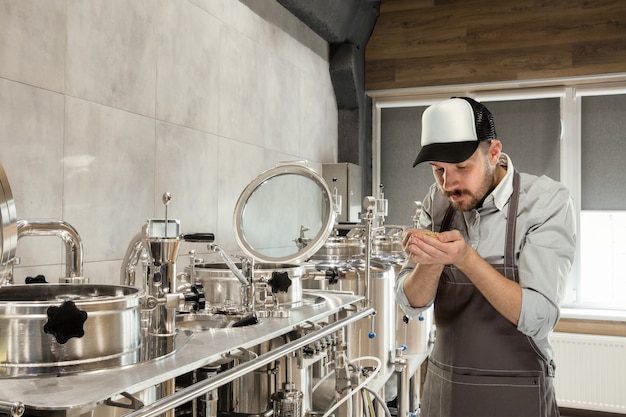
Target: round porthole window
column 284, row 215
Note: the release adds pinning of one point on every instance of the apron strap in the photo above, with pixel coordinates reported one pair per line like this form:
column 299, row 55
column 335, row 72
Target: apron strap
column 447, row 219
column 509, row 246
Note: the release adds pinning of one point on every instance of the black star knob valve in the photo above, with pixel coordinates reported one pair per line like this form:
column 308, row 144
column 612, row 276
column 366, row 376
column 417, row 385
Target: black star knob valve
column 280, row 282
column 65, row 322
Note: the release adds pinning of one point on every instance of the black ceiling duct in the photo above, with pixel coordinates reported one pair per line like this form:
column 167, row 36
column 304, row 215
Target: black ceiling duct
column 347, row 26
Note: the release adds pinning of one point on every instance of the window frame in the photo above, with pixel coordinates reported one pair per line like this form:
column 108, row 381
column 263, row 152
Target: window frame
column 569, row 91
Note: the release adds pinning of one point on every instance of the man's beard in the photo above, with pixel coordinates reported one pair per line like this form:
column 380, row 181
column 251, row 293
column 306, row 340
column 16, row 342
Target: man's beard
column 476, row 199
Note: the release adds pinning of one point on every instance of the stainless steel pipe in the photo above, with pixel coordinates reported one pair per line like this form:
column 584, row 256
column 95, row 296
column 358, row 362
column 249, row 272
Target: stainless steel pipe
column 13, row 409
column 131, row 259
column 189, row 393
column 62, row 230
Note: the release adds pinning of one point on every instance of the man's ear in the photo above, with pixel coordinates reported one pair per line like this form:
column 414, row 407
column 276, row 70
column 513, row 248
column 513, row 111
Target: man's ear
column 495, row 149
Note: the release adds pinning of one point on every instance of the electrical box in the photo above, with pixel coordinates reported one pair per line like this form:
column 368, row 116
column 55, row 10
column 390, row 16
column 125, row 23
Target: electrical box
column 346, row 178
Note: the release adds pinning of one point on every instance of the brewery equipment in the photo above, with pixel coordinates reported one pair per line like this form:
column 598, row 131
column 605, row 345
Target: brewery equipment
column 376, row 249
column 236, row 327
column 158, row 243
column 8, row 230
column 56, row 329
column 12, row 230
column 69, row 236
column 275, row 287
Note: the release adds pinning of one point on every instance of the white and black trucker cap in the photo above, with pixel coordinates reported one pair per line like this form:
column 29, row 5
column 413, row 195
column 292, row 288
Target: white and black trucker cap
column 452, row 130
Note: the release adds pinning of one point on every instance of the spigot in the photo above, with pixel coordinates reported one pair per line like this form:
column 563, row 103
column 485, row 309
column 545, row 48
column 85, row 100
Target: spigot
column 418, row 211
column 400, row 362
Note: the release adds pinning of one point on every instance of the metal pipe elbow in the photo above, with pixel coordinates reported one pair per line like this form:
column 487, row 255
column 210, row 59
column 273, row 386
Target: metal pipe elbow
column 131, row 259
column 63, row 230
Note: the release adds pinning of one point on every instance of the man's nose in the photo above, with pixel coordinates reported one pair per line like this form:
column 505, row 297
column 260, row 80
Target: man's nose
column 449, row 181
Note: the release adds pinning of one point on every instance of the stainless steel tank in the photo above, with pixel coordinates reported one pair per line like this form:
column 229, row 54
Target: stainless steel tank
column 340, row 248
column 249, row 395
column 374, row 336
column 223, row 290
column 388, row 248
column 369, row 337
column 67, row 328
column 412, row 334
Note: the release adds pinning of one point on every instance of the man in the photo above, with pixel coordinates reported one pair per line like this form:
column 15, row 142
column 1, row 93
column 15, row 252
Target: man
column 493, row 251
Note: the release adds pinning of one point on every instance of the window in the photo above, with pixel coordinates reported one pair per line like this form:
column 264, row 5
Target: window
column 574, row 134
column 602, row 281
column 603, row 249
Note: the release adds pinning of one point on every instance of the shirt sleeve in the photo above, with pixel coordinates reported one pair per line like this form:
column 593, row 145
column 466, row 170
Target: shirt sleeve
column 401, row 298
column 546, row 257
column 425, row 222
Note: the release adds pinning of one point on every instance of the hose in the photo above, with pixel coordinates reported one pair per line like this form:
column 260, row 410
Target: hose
column 380, row 400
column 358, row 387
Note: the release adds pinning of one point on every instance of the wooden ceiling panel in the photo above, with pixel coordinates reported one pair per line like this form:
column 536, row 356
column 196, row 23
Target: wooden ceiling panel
column 417, row 44
column 387, row 6
column 444, row 42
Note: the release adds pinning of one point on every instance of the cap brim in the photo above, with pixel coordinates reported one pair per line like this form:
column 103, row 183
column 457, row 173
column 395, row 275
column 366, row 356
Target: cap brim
column 452, row 153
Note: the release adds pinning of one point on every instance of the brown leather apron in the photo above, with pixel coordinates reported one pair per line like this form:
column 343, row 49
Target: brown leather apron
column 481, row 365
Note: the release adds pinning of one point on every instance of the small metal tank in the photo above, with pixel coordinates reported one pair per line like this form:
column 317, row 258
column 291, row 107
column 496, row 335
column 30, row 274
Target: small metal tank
column 374, row 336
column 337, row 249
column 223, row 290
column 412, row 333
column 41, row 326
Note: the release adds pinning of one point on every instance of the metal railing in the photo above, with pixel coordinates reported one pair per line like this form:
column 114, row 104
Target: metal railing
column 189, row 393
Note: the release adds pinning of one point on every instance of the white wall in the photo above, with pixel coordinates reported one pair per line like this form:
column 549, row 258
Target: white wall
column 105, row 105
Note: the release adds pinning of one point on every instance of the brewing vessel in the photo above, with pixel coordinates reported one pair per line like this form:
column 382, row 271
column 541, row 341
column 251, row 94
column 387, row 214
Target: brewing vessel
column 63, row 328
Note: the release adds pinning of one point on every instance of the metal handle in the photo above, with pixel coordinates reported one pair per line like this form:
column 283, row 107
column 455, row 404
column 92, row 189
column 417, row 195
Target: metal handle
column 13, row 409
column 187, row 394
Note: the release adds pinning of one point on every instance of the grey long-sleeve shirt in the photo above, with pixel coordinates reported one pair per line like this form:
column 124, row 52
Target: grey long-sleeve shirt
column 545, row 242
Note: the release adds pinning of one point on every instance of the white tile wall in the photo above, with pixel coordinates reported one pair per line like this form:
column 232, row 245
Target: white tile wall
column 188, row 55
column 111, row 53
column 106, row 105
column 32, row 35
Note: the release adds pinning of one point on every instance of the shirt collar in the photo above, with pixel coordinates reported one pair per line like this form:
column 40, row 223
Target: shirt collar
column 501, row 194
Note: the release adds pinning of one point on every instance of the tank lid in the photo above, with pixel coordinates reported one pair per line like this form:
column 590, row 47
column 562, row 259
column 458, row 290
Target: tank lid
column 285, row 215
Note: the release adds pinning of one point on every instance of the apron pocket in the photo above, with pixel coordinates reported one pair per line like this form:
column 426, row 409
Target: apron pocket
column 454, row 395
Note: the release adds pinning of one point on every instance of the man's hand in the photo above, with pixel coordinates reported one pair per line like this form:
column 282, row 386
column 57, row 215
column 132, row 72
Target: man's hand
column 426, row 247
column 450, row 248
